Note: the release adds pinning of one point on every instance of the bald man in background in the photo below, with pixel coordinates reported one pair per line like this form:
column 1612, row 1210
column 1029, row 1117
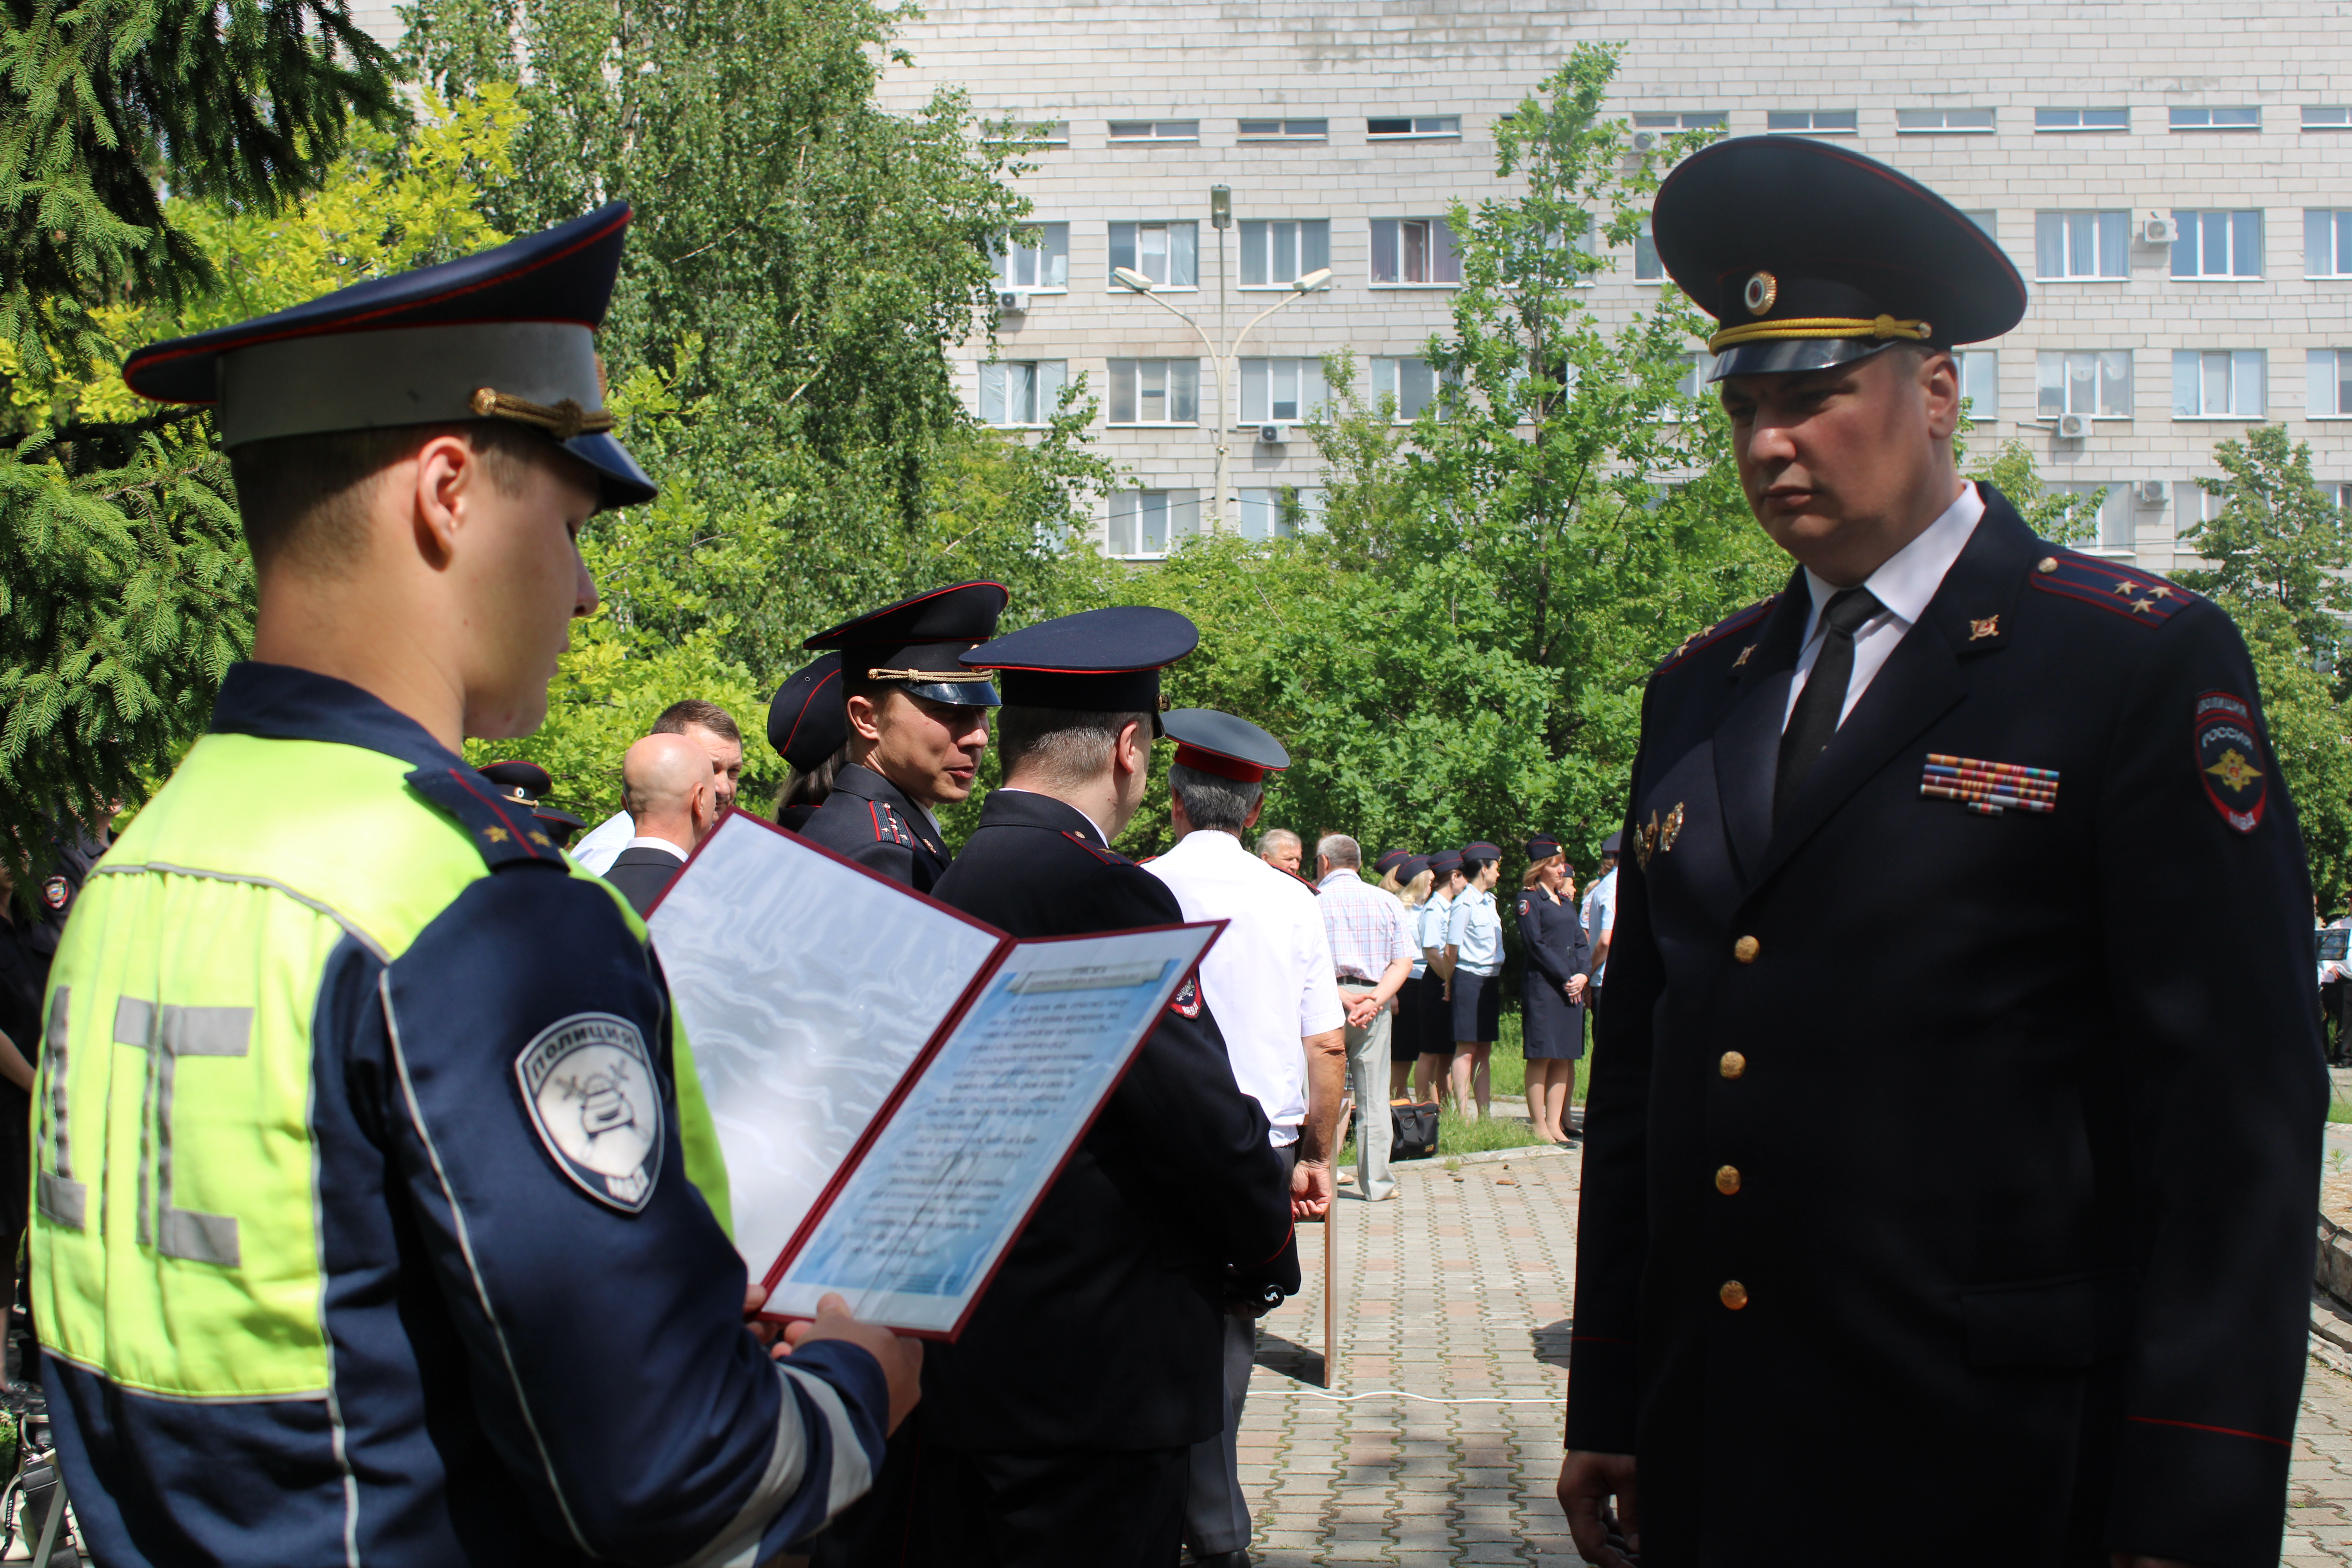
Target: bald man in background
column 666, row 783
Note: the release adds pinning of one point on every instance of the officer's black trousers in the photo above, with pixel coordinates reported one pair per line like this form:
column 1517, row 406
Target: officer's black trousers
column 1084, row 1510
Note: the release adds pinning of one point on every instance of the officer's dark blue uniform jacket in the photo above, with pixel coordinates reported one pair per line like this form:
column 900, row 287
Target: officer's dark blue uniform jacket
column 1934, row 1207
column 1558, row 951
column 868, row 819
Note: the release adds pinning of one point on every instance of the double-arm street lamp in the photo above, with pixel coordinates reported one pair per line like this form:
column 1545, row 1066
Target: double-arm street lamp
column 1221, row 208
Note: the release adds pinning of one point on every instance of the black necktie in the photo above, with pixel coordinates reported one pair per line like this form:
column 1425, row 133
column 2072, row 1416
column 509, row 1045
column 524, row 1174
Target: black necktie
column 1815, row 718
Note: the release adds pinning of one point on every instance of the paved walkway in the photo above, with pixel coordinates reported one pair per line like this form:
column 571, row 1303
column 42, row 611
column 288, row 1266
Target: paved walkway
column 1459, row 1290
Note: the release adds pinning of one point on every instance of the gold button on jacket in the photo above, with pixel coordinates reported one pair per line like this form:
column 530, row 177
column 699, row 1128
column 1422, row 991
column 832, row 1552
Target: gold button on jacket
column 1746, row 949
column 1732, row 1065
column 1734, row 1294
column 1727, row 1179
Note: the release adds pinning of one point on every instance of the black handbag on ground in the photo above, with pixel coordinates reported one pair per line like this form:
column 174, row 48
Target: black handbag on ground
column 1412, row 1130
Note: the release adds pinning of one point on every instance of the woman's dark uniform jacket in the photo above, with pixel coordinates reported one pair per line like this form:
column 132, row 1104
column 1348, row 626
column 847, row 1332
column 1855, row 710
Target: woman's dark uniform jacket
column 1551, row 1027
column 868, row 819
column 2021, row 1204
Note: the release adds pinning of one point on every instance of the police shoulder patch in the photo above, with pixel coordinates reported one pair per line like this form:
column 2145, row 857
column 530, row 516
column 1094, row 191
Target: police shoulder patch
column 1525, row 904
column 2229, row 761
column 56, row 892
column 2120, row 590
column 1186, row 1003
column 593, row 1096
column 1716, row 632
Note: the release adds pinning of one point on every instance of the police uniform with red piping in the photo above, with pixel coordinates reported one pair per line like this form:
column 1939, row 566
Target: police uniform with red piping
column 1928, row 1209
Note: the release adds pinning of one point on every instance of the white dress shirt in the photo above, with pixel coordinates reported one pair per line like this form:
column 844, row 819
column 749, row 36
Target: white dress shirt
column 597, row 849
column 1905, row 584
column 1269, row 978
column 662, row 844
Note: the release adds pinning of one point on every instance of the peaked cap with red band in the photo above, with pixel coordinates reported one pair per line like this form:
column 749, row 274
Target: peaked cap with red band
column 1097, row 661
column 1219, row 744
column 806, row 721
column 507, row 335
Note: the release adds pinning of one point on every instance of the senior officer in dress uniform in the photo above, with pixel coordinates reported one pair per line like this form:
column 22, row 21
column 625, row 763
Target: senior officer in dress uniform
column 373, row 1221
column 809, row 729
column 917, row 724
column 1927, row 1214
column 1061, row 1422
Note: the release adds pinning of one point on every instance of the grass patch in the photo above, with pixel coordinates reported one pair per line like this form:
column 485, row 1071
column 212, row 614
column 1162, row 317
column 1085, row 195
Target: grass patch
column 1507, row 1129
column 2337, row 1110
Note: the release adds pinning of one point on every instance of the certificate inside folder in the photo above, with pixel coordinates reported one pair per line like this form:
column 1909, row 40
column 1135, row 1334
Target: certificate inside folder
column 894, row 1084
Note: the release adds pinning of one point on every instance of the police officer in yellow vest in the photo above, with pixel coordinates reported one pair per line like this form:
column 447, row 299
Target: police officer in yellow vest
column 378, row 1213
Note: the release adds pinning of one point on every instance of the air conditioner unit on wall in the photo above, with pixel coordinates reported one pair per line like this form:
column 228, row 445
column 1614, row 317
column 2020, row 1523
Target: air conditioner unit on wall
column 1269, row 434
column 1009, row 300
column 2155, row 230
column 1644, row 139
column 2150, row 492
column 2073, row 427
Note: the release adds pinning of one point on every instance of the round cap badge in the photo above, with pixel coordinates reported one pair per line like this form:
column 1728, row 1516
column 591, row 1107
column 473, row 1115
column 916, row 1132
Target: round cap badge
column 597, row 1107
column 1762, row 290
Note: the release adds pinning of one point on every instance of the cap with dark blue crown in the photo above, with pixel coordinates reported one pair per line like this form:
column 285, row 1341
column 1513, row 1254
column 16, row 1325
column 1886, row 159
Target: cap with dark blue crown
column 914, row 643
column 1097, row 661
column 806, row 722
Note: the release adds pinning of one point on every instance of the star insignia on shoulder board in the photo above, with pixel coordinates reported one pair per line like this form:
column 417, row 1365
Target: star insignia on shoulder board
column 1751, row 647
column 2142, row 606
column 2160, row 591
column 495, row 835
column 542, row 838
column 2124, row 588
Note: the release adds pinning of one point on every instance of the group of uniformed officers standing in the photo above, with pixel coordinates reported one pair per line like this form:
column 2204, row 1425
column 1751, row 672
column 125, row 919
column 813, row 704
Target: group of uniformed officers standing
column 1929, row 1213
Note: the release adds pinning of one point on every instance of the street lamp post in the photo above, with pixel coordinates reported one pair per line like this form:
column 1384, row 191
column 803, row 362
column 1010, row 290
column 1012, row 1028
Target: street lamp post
column 1128, row 277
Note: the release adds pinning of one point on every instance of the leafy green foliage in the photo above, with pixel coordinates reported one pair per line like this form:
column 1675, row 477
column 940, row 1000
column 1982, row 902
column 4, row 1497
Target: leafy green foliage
column 2277, row 540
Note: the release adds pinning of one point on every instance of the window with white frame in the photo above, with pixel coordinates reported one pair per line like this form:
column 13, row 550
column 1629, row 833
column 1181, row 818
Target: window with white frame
column 1278, row 512
column 2342, row 494
column 1813, row 121
column 1021, row 392
column 1155, row 131
column 2081, row 245
column 1980, row 381
column 1036, row 258
column 1167, row 253
column 1686, row 120
column 2095, row 383
column 2328, row 242
column 1411, row 381
column 1285, row 129
column 1410, row 252
column 1983, row 218
column 1036, row 133
column 2113, row 529
column 1943, row 122
column 1148, row 524
column 2081, row 120
column 1407, row 127
column 1155, row 391
column 2218, row 244
column 2327, row 389
column 2218, row 383
column 1699, row 365
column 2215, row 116
column 2327, row 117
column 1277, row 252
column 1281, row 390
column 1647, row 268
column 2192, row 505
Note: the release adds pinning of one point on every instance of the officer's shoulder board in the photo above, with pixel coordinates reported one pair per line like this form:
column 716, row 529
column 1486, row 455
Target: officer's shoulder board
column 501, row 832
column 2120, row 590
column 1740, row 621
column 1108, row 856
column 887, row 827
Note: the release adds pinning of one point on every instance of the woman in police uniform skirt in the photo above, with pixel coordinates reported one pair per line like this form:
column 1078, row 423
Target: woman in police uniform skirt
column 1413, row 880
column 1558, row 959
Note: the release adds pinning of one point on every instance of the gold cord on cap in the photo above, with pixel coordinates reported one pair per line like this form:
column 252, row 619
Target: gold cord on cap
column 955, row 676
column 564, row 421
column 1816, row 327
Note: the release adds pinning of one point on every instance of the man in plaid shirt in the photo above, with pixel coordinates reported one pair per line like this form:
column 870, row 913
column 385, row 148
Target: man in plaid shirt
column 1372, row 951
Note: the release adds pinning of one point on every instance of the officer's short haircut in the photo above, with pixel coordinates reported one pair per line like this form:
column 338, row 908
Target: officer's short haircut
column 1274, row 836
column 1066, row 747
column 680, row 717
column 1223, row 805
column 301, row 497
column 1340, row 850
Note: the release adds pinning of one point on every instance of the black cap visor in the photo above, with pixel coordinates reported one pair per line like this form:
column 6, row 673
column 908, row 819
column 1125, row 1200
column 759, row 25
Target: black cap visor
column 1793, row 354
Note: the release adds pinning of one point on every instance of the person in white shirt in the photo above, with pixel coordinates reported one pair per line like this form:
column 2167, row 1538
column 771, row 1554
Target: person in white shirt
column 1372, row 951
column 1599, row 911
column 1429, row 1077
column 1474, row 965
column 667, row 782
column 1270, row 983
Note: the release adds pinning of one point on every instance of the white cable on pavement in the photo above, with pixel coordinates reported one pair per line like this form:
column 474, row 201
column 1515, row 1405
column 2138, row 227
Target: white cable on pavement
column 1401, row 1393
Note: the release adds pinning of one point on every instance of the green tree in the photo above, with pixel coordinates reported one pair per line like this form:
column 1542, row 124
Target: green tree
column 2277, row 538
column 124, row 589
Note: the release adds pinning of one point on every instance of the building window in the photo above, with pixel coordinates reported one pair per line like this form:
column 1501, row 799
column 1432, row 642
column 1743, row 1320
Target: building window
column 1285, row 129
column 1167, row 253
column 1691, row 119
column 1408, row 251
column 1155, row 131
column 2216, row 244
column 2081, row 120
column 2319, row 117
column 2095, row 382
column 2326, row 242
column 1035, row 258
column 1983, row 218
column 1277, row 252
column 2202, row 117
column 2192, row 505
column 1980, row 381
column 1813, row 121
column 1148, row 524
column 1037, row 133
column 2114, row 526
column 1155, row 392
column 1279, row 511
column 1647, row 268
column 1943, row 121
column 1400, row 127
column 2217, row 385
column 2080, row 244
column 2329, row 393
column 1281, row 390
column 1411, row 381
column 1021, row 391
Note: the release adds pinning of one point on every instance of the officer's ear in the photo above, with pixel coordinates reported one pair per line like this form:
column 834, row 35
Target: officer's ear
column 1131, row 752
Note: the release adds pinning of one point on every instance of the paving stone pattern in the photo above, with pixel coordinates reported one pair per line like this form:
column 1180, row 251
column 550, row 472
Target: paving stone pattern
column 1459, row 1288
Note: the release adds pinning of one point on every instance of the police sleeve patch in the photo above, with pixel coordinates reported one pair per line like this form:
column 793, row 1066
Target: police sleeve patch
column 1526, row 903
column 56, row 892
column 1186, row 1003
column 2230, row 762
column 597, row 1106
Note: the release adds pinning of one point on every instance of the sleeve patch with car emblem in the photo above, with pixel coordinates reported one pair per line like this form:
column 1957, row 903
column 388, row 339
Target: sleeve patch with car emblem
column 2229, row 759
column 597, row 1105
column 1186, row 1003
